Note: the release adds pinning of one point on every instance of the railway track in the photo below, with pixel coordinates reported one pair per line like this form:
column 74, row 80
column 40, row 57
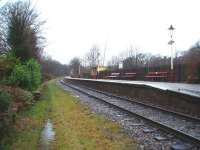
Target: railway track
column 187, row 128
column 189, row 117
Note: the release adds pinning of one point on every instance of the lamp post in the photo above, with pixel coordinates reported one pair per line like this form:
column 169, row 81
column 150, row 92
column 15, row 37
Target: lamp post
column 171, row 42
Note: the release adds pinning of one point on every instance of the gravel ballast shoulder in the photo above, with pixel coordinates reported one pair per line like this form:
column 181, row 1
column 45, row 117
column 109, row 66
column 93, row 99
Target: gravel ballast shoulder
column 146, row 135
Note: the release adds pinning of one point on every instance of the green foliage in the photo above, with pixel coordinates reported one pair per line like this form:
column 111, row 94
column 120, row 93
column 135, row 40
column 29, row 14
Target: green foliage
column 5, row 105
column 5, row 101
column 7, row 63
column 18, row 94
column 35, row 73
column 20, row 76
column 26, row 76
column 25, row 96
column 20, row 98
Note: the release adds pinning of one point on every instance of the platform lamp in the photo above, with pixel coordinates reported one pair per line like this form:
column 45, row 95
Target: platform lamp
column 171, row 42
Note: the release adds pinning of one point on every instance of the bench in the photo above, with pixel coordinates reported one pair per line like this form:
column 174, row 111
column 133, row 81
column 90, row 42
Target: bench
column 157, row 76
column 129, row 76
column 114, row 75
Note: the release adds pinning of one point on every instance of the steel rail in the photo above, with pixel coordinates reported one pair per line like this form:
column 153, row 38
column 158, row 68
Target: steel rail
column 146, row 105
column 168, row 129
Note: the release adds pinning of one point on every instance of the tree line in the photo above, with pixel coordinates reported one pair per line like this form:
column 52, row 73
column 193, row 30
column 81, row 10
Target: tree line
column 187, row 63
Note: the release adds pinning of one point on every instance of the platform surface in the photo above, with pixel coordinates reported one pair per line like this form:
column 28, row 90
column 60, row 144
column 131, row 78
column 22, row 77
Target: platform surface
column 189, row 89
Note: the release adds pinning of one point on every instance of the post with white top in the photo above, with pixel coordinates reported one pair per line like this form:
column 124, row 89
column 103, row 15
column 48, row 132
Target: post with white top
column 171, row 42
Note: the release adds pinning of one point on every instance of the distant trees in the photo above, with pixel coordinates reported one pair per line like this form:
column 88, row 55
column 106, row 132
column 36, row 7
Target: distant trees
column 131, row 59
column 20, row 30
column 93, row 56
column 192, row 60
column 114, row 62
column 75, row 66
column 134, row 58
column 187, row 63
column 88, row 63
column 52, row 68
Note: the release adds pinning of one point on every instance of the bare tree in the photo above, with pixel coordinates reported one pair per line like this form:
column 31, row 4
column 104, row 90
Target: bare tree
column 3, row 42
column 134, row 58
column 93, row 56
column 114, row 62
column 20, row 30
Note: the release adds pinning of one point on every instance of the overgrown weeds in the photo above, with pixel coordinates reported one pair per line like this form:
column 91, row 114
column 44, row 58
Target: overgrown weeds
column 25, row 132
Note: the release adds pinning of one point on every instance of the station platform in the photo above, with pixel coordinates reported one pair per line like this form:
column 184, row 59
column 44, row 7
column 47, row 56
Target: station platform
column 179, row 97
column 184, row 88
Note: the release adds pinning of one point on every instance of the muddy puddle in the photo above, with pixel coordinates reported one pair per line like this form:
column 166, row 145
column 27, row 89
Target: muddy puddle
column 47, row 136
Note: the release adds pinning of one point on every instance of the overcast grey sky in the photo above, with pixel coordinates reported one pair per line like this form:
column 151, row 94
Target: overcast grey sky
column 73, row 26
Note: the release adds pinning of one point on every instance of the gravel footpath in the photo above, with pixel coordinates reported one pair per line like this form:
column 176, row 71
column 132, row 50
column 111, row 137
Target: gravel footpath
column 149, row 137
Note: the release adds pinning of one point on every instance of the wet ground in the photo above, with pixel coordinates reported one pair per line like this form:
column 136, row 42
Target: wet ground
column 47, row 136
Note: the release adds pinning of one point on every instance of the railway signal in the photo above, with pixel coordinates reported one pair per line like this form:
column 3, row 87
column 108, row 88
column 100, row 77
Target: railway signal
column 171, row 42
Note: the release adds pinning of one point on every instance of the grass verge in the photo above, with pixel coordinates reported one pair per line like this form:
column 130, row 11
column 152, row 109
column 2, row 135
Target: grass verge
column 76, row 128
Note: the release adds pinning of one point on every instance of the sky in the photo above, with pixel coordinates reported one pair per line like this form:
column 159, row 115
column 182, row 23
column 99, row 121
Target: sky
column 74, row 26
